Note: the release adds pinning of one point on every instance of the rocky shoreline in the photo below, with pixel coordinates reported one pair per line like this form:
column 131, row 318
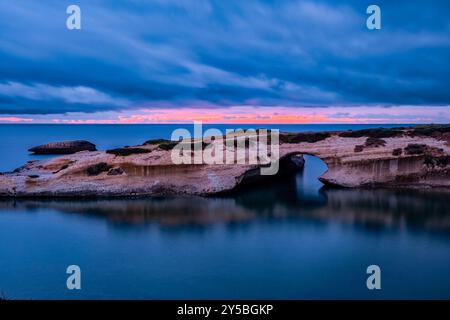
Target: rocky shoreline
column 416, row 157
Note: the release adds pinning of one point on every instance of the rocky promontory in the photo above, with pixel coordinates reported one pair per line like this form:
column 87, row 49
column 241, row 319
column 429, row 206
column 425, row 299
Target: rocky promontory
column 64, row 147
column 416, row 157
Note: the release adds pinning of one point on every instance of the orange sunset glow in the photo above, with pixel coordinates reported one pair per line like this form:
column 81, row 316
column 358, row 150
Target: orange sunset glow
column 248, row 114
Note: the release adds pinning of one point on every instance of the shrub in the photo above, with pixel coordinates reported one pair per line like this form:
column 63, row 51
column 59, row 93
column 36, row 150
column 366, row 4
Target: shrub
column 415, row 149
column 375, row 142
column 397, row 152
column 440, row 161
column 123, row 152
column 98, row 168
column 168, row 145
column 359, row 148
column 309, row 137
column 373, row 133
column 117, row 171
column 156, row 141
column 430, row 130
column 163, row 144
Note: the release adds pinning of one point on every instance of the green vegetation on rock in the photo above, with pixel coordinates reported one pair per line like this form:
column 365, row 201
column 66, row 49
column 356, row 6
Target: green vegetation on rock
column 123, row 152
column 98, row 168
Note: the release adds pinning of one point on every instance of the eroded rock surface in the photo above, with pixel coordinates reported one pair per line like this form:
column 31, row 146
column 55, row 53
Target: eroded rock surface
column 392, row 158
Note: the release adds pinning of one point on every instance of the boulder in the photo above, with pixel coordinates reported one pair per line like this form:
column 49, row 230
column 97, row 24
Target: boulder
column 64, row 147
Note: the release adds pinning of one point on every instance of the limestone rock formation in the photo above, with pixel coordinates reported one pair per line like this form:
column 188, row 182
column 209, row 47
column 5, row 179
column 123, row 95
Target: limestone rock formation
column 64, row 147
column 406, row 157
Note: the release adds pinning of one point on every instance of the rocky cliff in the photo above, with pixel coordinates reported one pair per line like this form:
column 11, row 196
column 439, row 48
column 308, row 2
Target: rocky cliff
column 404, row 157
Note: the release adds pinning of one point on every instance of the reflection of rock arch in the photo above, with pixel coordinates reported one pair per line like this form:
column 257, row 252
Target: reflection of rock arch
column 423, row 209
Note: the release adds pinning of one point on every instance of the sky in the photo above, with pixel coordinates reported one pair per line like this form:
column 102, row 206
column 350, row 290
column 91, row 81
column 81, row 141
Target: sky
column 233, row 61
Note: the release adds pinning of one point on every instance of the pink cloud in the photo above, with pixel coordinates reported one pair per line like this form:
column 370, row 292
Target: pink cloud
column 15, row 119
column 251, row 114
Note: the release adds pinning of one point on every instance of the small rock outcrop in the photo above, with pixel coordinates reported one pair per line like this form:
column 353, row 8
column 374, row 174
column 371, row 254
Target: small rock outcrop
column 64, row 147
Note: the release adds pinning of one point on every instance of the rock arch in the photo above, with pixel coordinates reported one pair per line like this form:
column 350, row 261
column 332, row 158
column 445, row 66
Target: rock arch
column 423, row 161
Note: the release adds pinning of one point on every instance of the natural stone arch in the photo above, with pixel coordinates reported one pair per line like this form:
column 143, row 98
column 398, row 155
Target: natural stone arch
column 423, row 160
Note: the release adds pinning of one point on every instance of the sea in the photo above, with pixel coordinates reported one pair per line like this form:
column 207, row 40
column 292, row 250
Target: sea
column 290, row 239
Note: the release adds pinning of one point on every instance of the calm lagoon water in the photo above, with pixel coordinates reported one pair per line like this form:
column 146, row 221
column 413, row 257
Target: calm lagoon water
column 292, row 239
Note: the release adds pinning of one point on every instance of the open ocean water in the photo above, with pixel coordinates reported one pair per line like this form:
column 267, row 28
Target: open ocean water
column 292, row 239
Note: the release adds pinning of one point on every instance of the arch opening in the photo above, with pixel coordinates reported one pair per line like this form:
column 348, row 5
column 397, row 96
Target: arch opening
column 299, row 170
column 307, row 181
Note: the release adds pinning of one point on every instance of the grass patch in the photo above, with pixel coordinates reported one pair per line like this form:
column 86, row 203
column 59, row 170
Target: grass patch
column 124, row 152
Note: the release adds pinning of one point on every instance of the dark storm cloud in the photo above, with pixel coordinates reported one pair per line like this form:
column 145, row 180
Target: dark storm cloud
column 214, row 53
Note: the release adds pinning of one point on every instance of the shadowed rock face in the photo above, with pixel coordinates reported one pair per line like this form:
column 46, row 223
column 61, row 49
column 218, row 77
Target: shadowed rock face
column 64, row 147
column 151, row 172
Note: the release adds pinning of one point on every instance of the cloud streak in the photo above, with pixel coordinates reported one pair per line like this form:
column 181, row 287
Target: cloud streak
column 216, row 54
column 78, row 94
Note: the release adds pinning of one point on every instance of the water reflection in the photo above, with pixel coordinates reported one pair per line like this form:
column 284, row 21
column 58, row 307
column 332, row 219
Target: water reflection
column 422, row 209
column 297, row 197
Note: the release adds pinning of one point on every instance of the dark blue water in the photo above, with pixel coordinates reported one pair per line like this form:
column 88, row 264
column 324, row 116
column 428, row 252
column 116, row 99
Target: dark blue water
column 292, row 239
